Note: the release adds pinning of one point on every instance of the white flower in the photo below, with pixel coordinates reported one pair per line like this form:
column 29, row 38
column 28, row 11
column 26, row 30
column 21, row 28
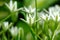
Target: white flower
column 30, row 16
column 30, row 19
column 14, row 31
column 54, row 12
column 15, row 6
column 29, row 9
column 12, row 6
column 43, row 15
column 6, row 25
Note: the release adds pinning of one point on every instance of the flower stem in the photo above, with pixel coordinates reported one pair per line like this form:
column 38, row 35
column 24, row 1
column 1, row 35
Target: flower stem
column 36, row 11
column 36, row 16
column 5, row 18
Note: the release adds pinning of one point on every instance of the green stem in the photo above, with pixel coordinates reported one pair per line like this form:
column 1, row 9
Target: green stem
column 36, row 16
column 5, row 18
column 4, row 37
column 36, row 12
column 3, row 31
column 34, row 33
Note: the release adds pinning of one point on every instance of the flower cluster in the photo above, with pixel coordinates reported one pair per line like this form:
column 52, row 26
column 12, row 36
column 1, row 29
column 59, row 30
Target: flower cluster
column 13, row 30
column 51, row 23
column 30, row 16
column 45, row 24
column 53, row 13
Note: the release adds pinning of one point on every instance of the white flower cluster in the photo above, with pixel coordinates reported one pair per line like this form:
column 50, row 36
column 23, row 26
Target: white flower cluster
column 43, row 15
column 31, row 14
column 13, row 30
column 53, row 13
